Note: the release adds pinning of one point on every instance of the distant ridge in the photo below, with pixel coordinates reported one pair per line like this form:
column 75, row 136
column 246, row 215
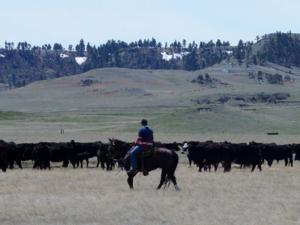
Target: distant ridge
column 23, row 64
column 279, row 48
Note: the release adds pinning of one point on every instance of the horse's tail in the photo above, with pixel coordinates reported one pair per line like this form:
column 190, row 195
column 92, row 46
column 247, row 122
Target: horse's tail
column 171, row 171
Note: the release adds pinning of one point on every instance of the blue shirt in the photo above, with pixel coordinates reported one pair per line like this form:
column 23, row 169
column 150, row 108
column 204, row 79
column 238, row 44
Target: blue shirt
column 146, row 133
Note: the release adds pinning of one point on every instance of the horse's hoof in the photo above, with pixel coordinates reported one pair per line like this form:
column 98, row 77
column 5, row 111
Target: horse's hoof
column 177, row 188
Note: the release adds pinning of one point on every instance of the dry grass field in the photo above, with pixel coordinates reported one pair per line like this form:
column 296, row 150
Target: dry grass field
column 92, row 196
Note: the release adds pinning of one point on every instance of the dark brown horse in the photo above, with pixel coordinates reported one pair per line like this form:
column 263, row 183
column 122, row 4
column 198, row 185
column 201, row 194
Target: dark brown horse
column 162, row 158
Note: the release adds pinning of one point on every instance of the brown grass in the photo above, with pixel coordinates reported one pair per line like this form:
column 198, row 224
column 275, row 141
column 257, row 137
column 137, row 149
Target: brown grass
column 93, row 196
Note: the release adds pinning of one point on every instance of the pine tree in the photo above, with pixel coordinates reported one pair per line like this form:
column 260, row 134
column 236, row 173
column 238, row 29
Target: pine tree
column 57, row 47
column 184, row 43
column 80, row 48
column 240, row 51
column 191, row 60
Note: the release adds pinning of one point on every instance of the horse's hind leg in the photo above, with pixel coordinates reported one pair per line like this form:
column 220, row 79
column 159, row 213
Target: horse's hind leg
column 162, row 179
column 173, row 179
column 253, row 167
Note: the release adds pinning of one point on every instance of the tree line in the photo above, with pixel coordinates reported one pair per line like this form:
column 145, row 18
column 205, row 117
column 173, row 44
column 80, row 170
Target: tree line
column 22, row 63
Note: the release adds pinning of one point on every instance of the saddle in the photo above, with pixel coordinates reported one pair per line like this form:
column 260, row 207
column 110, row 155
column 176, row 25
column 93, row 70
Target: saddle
column 146, row 153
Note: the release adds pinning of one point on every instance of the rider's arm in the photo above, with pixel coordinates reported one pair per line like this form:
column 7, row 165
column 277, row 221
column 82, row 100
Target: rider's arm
column 139, row 139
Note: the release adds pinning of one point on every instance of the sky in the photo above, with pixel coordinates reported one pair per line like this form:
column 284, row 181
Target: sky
column 96, row 21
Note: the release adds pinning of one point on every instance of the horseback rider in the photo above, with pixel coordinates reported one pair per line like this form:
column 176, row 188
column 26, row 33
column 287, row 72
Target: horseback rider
column 144, row 142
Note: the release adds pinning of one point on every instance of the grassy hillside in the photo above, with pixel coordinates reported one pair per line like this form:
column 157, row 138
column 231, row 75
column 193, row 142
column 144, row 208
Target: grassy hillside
column 110, row 103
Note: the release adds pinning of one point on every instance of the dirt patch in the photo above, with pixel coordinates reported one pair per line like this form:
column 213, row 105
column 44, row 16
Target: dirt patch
column 88, row 82
column 243, row 99
column 208, row 81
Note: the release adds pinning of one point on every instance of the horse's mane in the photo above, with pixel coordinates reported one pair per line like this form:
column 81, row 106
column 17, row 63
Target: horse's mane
column 120, row 142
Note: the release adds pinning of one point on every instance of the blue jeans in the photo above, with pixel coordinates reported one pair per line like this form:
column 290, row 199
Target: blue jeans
column 133, row 155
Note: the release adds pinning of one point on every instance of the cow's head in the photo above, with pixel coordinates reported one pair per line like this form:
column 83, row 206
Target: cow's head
column 184, row 147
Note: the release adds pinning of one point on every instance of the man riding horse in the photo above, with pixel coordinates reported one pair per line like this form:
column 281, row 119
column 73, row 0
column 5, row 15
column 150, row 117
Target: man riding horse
column 143, row 143
column 160, row 157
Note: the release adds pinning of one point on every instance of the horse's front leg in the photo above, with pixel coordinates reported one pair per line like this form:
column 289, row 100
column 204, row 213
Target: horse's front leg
column 130, row 180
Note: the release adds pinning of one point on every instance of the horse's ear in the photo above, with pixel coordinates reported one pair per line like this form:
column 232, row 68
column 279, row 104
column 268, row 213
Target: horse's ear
column 112, row 140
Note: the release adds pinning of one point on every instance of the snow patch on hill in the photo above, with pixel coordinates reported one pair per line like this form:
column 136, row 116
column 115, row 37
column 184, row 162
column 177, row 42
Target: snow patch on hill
column 61, row 55
column 168, row 57
column 80, row 60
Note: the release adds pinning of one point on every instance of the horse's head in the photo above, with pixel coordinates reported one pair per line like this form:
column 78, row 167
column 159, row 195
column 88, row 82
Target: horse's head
column 118, row 148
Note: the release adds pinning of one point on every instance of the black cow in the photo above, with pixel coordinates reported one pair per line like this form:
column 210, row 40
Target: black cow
column 272, row 152
column 25, row 151
column 185, row 147
column 14, row 155
column 41, row 156
column 207, row 154
column 296, row 150
column 3, row 155
column 248, row 155
column 62, row 152
column 105, row 156
column 84, row 151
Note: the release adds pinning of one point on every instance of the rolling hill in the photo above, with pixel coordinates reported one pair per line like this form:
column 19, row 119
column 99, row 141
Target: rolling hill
column 110, row 102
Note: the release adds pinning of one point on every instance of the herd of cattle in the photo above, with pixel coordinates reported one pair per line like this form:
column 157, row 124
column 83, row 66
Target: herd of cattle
column 210, row 154
column 204, row 155
column 45, row 152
